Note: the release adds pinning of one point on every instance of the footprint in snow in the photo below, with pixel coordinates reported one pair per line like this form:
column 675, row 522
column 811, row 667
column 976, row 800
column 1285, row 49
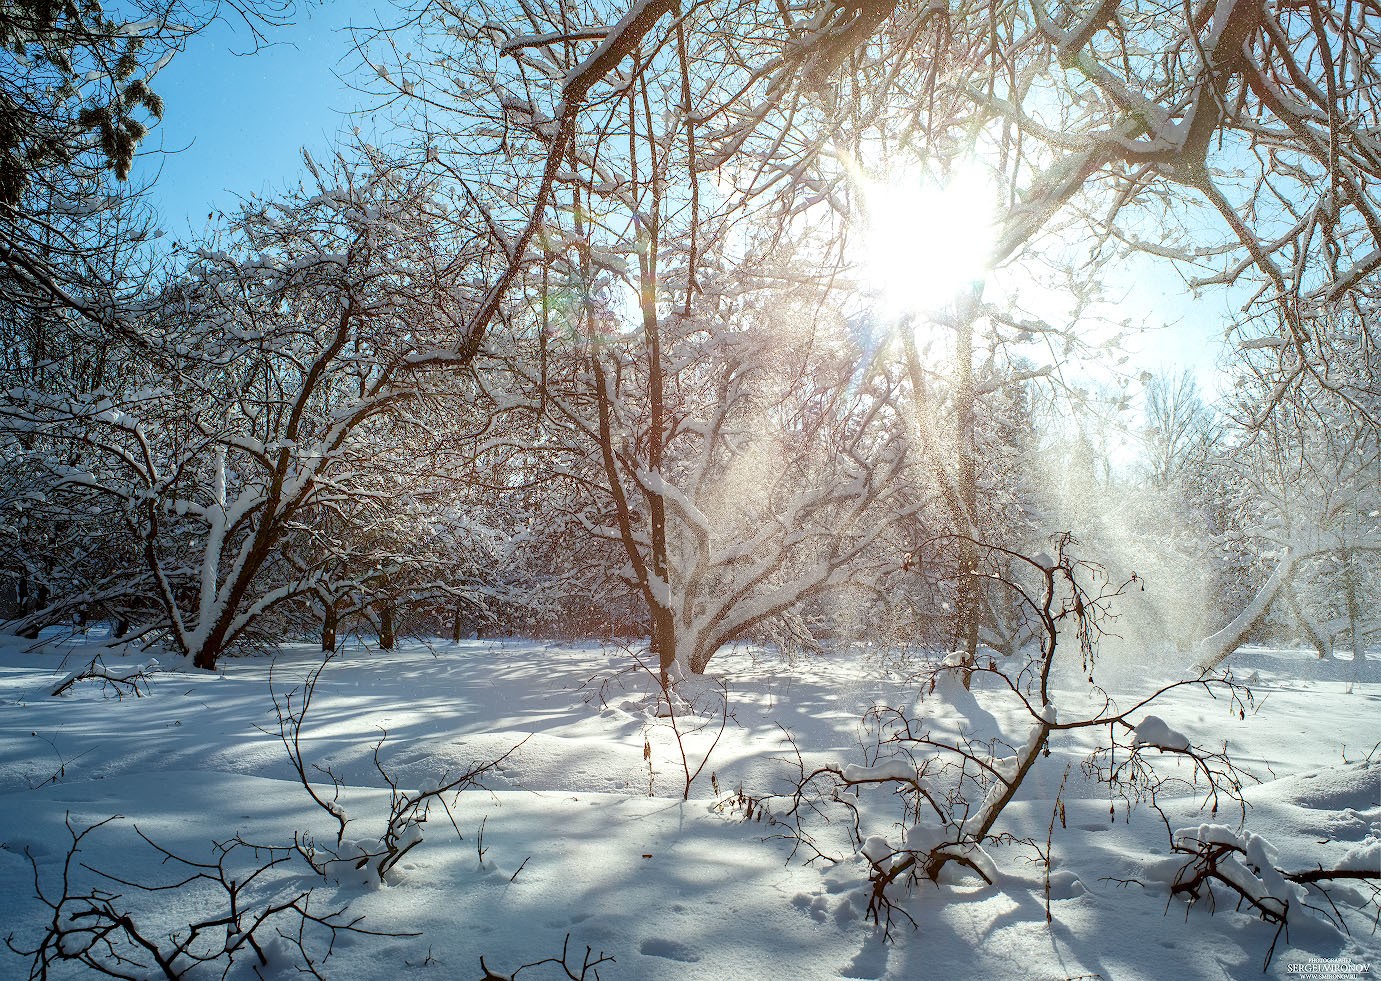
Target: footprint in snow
column 816, row 907
column 1065, row 885
column 870, row 962
column 22, row 846
column 573, row 920
column 670, row 949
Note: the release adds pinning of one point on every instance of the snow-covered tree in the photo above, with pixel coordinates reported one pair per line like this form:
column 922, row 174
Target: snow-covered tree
column 778, row 465
column 268, row 359
column 1308, row 486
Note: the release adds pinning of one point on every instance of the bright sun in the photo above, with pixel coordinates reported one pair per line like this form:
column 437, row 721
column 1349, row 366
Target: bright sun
column 926, row 241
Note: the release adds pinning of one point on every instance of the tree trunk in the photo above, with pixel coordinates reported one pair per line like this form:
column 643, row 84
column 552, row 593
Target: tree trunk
column 32, row 602
column 663, row 641
column 970, row 597
column 1216, row 648
column 329, row 621
column 455, row 627
column 388, row 639
column 663, row 619
column 1323, row 647
column 1354, row 612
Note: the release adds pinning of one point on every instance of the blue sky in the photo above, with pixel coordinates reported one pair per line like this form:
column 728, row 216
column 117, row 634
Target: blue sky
column 237, row 122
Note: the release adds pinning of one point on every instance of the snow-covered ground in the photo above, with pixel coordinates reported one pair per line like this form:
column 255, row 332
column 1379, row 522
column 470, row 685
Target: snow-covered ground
column 578, row 833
